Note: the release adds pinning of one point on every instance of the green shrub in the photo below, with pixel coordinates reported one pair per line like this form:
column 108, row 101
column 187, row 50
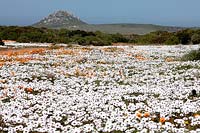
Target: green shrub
column 91, row 40
column 195, row 39
column 119, row 38
column 172, row 40
column 158, row 37
column 1, row 42
column 80, row 41
column 23, row 39
column 184, row 36
column 191, row 56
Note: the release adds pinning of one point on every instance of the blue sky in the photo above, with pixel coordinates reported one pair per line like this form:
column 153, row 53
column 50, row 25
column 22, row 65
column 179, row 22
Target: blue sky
column 162, row 12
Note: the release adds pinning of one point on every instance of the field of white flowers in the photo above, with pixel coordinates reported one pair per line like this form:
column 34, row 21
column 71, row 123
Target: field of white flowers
column 99, row 89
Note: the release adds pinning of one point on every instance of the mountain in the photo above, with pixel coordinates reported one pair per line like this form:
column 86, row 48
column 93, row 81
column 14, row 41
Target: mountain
column 60, row 19
column 63, row 19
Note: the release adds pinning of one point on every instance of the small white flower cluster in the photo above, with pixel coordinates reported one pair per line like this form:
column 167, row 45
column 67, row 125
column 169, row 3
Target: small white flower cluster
column 95, row 89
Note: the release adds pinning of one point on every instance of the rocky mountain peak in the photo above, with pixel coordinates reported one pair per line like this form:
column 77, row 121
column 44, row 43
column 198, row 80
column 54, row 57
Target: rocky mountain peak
column 60, row 19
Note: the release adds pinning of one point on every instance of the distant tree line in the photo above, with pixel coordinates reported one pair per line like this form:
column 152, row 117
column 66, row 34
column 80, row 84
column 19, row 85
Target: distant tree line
column 31, row 34
column 187, row 36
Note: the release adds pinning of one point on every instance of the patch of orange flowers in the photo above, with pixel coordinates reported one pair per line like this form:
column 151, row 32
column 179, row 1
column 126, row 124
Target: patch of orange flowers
column 30, row 90
column 15, row 52
column 196, row 115
column 12, row 55
column 113, row 49
column 85, row 49
column 67, row 52
column 1, row 64
column 169, row 59
column 146, row 114
column 140, row 57
column 12, row 73
column 162, row 120
column 139, row 114
column 8, row 41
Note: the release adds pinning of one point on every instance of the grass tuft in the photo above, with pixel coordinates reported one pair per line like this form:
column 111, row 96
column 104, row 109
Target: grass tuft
column 191, row 56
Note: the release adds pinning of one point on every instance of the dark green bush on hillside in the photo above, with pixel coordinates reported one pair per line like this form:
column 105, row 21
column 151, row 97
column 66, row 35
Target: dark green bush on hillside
column 184, row 36
column 23, row 39
column 158, row 37
column 195, row 39
column 172, row 40
column 119, row 38
column 91, row 40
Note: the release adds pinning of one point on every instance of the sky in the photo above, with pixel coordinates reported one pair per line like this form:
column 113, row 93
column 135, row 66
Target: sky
column 160, row 12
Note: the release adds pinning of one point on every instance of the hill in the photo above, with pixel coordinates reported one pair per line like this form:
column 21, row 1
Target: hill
column 60, row 19
column 126, row 28
column 63, row 19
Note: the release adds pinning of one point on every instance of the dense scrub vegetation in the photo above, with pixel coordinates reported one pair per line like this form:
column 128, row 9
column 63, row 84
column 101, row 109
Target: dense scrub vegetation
column 31, row 34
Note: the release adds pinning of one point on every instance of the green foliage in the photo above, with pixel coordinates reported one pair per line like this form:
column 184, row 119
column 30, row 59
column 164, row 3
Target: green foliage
column 172, row 40
column 91, row 40
column 184, row 36
column 23, row 39
column 31, row 34
column 195, row 38
column 118, row 38
column 158, row 37
column 191, row 56
column 133, row 38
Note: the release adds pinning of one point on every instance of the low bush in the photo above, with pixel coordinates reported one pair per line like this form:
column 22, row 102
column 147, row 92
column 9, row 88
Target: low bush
column 172, row 40
column 91, row 40
column 195, row 39
column 192, row 56
column 2, row 43
column 184, row 36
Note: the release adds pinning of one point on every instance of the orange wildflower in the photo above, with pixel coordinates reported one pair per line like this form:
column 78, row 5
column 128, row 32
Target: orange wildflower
column 162, row 119
column 12, row 73
column 146, row 114
column 29, row 90
column 196, row 115
column 169, row 59
column 138, row 114
column 1, row 64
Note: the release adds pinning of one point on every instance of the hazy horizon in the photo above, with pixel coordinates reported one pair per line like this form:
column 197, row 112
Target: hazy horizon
column 170, row 13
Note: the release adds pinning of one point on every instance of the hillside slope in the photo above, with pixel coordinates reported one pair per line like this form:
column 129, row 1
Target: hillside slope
column 63, row 19
column 60, row 19
column 126, row 28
